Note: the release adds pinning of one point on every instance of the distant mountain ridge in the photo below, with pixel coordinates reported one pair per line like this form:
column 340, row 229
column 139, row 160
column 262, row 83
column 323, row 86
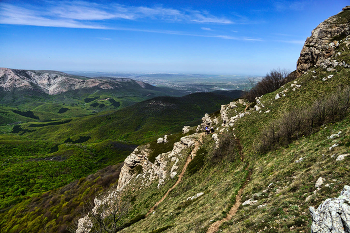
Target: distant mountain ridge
column 54, row 82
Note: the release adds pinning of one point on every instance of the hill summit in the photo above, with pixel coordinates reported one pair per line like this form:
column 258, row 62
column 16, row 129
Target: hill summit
column 325, row 47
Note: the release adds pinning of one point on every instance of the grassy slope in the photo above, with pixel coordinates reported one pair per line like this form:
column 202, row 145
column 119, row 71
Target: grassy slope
column 284, row 202
column 284, row 206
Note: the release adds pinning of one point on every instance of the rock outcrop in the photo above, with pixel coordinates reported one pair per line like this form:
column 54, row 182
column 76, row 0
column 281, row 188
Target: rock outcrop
column 158, row 169
column 54, row 82
column 138, row 168
column 333, row 215
column 320, row 48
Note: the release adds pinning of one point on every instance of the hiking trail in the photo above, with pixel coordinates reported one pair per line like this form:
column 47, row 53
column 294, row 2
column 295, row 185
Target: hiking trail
column 216, row 225
column 189, row 159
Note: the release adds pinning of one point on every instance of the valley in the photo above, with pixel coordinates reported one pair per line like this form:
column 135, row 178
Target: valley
column 58, row 139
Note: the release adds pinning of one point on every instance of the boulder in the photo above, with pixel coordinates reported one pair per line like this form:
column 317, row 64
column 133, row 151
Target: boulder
column 186, row 129
column 319, row 182
column 333, row 215
column 160, row 140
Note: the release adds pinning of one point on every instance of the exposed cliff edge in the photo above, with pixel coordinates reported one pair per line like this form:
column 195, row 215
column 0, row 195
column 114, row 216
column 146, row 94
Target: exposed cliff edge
column 138, row 173
column 53, row 82
column 321, row 48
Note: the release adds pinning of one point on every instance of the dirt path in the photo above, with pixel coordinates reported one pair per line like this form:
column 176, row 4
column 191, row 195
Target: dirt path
column 215, row 226
column 189, row 159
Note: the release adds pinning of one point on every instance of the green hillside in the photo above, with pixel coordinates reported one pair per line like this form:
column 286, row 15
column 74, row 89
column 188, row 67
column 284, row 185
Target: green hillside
column 41, row 156
column 74, row 103
column 136, row 124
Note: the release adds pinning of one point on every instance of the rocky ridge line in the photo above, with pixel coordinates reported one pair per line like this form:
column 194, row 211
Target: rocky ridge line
column 320, row 48
column 53, row 82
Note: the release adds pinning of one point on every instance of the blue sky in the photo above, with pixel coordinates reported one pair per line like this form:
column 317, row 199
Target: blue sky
column 193, row 36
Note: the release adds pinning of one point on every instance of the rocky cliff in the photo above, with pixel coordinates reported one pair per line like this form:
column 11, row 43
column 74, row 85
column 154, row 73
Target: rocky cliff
column 53, row 82
column 327, row 44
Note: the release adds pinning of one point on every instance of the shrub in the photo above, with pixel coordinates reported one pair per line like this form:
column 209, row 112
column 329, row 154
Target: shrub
column 227, row 149
column 302, row 122
column 271, row 82
column 197, row 162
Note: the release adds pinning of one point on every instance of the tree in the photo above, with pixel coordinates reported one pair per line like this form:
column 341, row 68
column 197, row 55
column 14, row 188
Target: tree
column 271, row 82
column 103, row 217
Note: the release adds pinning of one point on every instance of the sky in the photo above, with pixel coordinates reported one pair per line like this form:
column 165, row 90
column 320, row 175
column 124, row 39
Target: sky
column 242, row 37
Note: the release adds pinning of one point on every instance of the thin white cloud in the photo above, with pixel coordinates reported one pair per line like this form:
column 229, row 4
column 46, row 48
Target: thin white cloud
column 82, row 14
column 252, row 39
column 226, row 37
column 104, row 38
column 200, row 17
column 206, row 29
column 284, row 5
column 21, row 16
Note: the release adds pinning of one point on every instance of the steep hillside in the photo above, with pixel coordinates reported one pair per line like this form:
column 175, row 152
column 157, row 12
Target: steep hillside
column 137, row 123
column 260, row 171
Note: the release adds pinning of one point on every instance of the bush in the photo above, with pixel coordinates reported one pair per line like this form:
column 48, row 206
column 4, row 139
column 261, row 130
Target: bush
column 227, row 149
column 197, row 162
column 271, row 82
column 302, row 122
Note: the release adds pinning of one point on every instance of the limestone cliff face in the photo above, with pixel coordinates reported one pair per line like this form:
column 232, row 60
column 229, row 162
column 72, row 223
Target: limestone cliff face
column 320, row 49
column 53, row 82
column 165, row 165
column 138, row 173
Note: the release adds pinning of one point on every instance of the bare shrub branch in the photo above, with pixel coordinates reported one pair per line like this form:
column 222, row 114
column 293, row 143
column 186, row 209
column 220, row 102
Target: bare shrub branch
column 301, row 122
column 271, row 82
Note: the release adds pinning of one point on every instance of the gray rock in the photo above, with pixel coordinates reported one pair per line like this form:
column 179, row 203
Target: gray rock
column 186, row 129
column 342, row 157
column 320, row 48
column 319, row 182
column 160, row 140
column 333, row 215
